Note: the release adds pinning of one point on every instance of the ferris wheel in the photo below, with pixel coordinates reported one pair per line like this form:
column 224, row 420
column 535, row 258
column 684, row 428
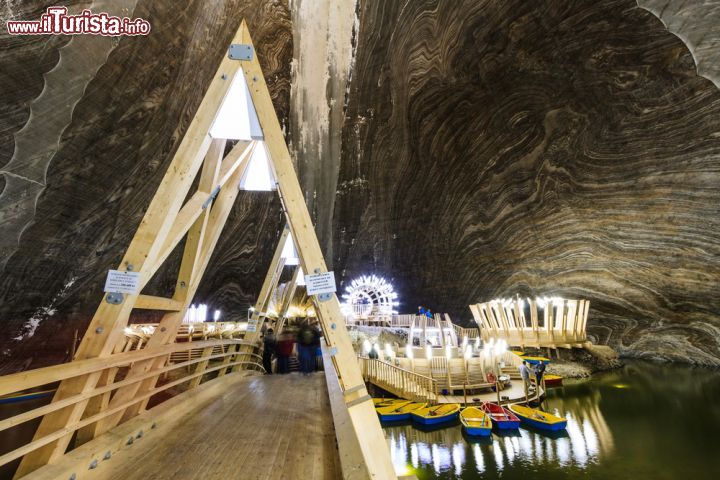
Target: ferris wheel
column 369, row 296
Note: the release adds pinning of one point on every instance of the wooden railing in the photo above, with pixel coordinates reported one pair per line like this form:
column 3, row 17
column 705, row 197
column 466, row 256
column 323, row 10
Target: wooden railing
column 137, row 336
column 554, row 322
column 399, row 381
column 394, row 321
column 225, row 354
column 470, row 333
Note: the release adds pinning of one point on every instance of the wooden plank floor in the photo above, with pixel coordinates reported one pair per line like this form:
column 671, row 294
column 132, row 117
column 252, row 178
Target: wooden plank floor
column 267, row 427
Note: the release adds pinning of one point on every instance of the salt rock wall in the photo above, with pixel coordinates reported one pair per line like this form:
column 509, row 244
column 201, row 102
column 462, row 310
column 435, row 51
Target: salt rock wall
column 542, row 148
column 88, row 128
column 466, row 149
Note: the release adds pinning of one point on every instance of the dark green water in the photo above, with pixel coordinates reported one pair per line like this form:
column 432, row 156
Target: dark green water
column 644, row 421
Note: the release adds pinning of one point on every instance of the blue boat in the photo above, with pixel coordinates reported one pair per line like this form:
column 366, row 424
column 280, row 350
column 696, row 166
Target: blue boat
column 398, row 412
column 538, row 419
column 21, row 397
column 434, row 415
column 475, row 422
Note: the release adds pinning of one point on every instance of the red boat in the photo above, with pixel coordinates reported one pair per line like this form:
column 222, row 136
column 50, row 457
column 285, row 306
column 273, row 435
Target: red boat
column 503, row 418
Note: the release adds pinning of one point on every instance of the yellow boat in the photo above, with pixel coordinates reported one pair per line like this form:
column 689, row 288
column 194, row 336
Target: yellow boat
column 537, row 418
column 435, row 414
column 476, row 422
column 534, row 360
column 553, row 380
column 384, row 402
column 393, row 413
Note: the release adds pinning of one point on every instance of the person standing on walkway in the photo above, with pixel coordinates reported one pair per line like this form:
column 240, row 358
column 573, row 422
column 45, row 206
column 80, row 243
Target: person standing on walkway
column 308, row 337
column 285, row 346
column 269, row 345
column 539, row 372
column 525, row 374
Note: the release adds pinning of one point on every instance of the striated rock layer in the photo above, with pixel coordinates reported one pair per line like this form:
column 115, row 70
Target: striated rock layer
column 558, row 148
column 467, row 149
column 106, row 155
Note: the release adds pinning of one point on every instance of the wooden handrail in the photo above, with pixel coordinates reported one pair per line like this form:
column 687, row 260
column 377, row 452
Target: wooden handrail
column 18, row 382
column 35, row 444
column 402, row 382
column 42, row 376
column 57, row 405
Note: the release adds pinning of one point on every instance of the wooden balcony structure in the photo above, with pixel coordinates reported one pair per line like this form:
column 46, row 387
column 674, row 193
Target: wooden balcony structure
column 552, row 323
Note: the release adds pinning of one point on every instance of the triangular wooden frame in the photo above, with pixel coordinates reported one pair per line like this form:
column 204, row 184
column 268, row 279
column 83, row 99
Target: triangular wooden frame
column 201, row 219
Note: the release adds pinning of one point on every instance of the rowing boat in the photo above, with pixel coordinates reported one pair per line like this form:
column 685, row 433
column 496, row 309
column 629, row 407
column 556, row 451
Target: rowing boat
column 503, row 418
column 475, row 422
column 394, row 413
column 532, row 360
column 21, row 397
column 538, row 419
column 432, row 415
column 386, row 402
column 553, row 380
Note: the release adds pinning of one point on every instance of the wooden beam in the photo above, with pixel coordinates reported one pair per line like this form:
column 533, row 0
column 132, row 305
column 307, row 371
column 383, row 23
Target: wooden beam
column 362, row 413
column 269, row 284
column 106, row 326
column 202, row 236
column 148, row 302
column 239, row 154
column 288, row 295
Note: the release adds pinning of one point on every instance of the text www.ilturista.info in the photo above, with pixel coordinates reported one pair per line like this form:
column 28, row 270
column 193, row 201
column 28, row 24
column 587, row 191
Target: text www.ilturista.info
column 56, row 21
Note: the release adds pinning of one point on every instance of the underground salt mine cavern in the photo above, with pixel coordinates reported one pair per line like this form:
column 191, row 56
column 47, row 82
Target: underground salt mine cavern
column 359, row 239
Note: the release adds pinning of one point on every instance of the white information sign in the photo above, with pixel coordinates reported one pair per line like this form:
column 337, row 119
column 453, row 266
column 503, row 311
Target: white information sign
column 320, row 283
column 252, row 328
column 118, row 281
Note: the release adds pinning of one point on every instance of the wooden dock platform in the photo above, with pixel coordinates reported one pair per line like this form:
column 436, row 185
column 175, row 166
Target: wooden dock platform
column 264, row 427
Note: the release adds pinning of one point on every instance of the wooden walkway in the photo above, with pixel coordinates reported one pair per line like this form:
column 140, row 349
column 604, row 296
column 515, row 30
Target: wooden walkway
column 267, row 427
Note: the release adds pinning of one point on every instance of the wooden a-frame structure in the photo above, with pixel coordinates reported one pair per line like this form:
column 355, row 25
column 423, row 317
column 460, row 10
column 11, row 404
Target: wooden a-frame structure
column 200, row 220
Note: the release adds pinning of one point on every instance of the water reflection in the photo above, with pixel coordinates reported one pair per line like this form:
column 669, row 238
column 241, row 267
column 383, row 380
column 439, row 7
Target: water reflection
column 447, row 450
column 644, row 421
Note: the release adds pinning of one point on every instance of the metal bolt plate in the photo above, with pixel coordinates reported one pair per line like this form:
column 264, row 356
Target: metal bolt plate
column 114, row 298
column 324, row 297
column 239, row 51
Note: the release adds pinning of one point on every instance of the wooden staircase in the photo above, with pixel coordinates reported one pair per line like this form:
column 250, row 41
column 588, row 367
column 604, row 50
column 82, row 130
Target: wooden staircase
column 398, row 381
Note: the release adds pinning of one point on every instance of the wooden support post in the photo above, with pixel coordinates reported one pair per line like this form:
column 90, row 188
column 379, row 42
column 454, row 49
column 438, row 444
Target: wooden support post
column 201, row 366
column 360, row 406
column 288, row 295
column 272, row 277
column 227, row 359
